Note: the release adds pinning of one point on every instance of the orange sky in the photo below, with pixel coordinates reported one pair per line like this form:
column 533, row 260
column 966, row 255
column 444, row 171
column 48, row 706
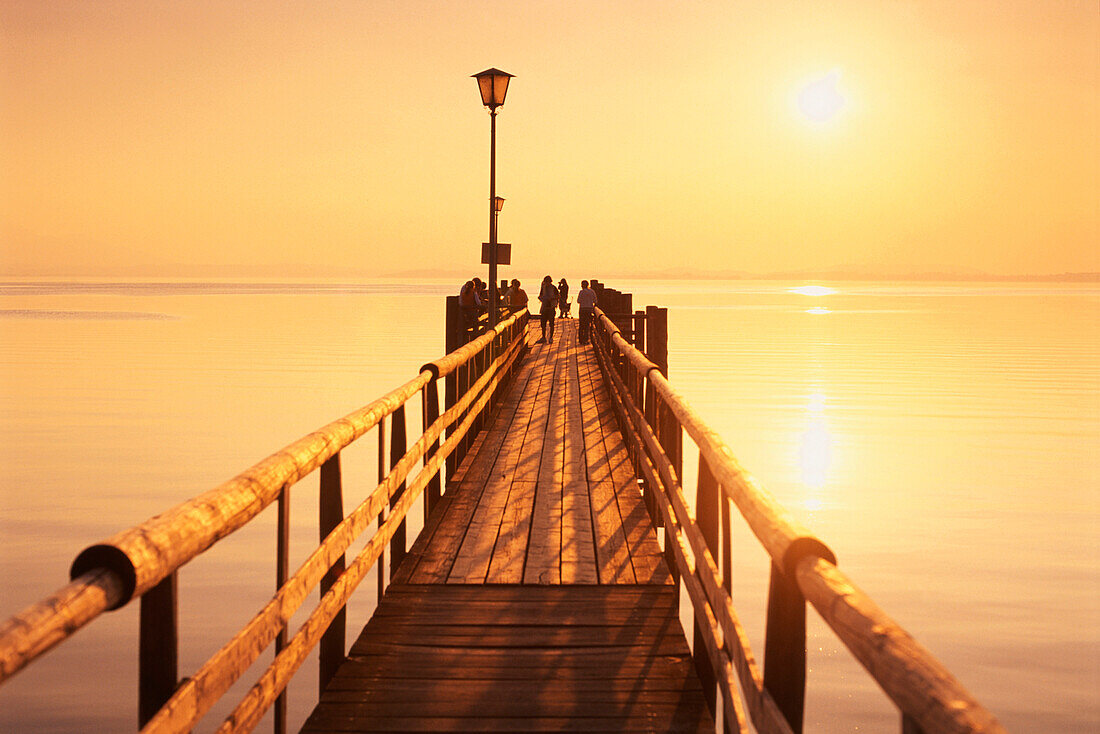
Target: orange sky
column 346, row 138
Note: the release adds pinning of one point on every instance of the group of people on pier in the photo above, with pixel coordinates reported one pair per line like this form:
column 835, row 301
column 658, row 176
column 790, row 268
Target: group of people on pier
column 553, row 298
column 473, row 300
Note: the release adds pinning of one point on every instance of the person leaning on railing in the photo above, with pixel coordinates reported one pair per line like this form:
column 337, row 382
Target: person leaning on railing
column 467, row 303
column 515, row 297
column 586, row 302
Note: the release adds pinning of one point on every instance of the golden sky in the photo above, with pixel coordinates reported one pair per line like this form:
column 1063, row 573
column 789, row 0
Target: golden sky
column 216, row 137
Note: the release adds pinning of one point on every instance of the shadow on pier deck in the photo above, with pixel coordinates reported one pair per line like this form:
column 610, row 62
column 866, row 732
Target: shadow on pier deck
column 536, row 599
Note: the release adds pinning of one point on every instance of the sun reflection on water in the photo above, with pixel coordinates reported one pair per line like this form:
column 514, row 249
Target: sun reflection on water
column 815, row 451
column 813, row 290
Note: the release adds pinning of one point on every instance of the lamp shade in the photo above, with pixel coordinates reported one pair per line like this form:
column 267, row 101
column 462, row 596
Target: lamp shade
column 494, row 85
column 498, row 203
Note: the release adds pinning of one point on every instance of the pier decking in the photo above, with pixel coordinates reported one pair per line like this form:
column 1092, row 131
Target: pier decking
column 547, row 494
column 536, row 598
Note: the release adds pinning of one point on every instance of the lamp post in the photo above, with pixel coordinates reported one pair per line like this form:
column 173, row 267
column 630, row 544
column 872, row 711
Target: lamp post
column 493, row 84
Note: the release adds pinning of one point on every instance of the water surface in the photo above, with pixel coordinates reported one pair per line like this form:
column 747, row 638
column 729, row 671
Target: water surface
column 942, row 438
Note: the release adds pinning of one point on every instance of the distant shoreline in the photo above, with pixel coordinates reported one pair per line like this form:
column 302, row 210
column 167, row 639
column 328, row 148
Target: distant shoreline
column 605, row 276
column 812, row 275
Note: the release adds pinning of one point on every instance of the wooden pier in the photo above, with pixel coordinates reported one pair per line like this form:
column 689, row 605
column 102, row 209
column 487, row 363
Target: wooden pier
column 537, row 598
column 544, row 590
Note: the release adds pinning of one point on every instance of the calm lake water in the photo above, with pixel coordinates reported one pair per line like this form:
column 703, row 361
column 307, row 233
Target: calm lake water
column 944, row 439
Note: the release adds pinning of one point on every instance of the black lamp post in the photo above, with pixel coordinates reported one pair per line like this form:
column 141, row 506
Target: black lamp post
column 493, row 84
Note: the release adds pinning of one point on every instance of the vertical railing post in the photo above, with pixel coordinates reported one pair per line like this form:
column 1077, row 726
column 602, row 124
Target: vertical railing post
column 158, row 648
column 430, row 399
column 282, row 572
column 450, row 382
column 330, row 511
column 382, row 512
column 909, row 725
column 727, row 544
column 397, row 450
column 785, row 647
column 656, row 338
column 706, row 517
column 665, row 427
column 672, row 437
column 626, row 307
column 462, row 384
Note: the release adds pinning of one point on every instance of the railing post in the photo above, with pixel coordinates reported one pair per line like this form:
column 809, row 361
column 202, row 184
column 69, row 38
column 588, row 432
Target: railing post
column 382, row 512
column 461, row 386
column 282, row 572
column 656, row 324
column 706, row 517
column 651, row 417
column 397, row 450
column 330, row 510
column 430, row 399
column 639, row 331
column 785, row 647
column 158, row 648
column 450, row 382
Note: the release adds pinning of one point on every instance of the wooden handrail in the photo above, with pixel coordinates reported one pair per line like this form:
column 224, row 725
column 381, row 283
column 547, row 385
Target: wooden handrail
column 41, row 626
column 110, row 574
column 214, row 678
column 929, row 697
column 263, row 694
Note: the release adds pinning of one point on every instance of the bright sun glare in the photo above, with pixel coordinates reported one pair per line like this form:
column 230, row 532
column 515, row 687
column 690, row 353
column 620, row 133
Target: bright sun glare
column 819, row 101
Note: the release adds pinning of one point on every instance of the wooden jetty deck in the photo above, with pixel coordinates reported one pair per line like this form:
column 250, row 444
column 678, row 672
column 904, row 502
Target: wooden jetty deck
column 537, row 598
column 547, row 494
column 537, row 595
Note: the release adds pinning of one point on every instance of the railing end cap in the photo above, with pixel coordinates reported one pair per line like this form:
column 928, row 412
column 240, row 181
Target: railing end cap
column 114, row 560
column 802, row 547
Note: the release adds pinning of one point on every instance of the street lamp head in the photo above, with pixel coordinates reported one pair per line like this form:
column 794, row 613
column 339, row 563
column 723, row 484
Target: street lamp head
column 494, row 85
column 498, row 203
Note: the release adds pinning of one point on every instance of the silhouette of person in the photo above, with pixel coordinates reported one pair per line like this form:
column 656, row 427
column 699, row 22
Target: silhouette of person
column 516, row 297
column 563, row 299
column 548, row 297
column 467, row 304
column 586, row 302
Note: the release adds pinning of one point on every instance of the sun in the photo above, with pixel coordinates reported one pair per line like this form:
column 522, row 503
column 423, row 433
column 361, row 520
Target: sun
column 819, row 101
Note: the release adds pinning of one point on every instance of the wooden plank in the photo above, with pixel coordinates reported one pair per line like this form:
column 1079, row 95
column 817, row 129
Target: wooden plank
column 510, row 551
column 413, row 667
column 543, row 565
column 396, row 690
column 645, row 553
column 472, row 561
column 472, row 565
column 506, row 658
column 613, row 558
column 509, row 714
column 436, row 555
column 644, row 723
column 578, row 548
column 527, row 466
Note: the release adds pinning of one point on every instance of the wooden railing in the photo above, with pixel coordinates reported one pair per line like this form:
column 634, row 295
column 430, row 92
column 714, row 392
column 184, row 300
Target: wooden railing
column 143, row 561
column 654, row 418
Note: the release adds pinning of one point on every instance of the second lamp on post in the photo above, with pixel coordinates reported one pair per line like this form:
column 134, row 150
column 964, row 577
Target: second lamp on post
column 493, row 84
